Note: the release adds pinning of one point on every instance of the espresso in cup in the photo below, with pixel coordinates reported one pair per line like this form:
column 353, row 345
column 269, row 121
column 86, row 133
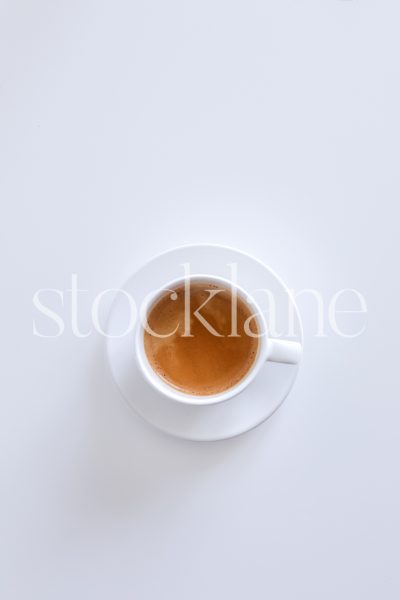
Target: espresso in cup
column 202, row 340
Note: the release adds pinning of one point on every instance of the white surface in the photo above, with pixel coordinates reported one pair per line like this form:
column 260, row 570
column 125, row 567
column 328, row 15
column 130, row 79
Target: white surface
column 214, row 417
column 131, row 127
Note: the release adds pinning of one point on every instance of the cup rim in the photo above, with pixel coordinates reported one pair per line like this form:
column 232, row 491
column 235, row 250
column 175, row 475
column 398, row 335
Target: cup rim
column 168, row 390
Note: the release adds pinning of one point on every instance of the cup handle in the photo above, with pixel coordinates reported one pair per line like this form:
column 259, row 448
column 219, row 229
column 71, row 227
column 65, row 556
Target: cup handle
column 283, row 351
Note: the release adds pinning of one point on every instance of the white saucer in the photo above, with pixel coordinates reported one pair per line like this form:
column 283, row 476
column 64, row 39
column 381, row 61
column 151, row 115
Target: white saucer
column 210, row 422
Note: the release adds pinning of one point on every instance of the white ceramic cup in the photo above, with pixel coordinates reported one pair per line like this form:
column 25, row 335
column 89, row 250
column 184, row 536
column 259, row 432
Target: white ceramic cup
column 270, row 349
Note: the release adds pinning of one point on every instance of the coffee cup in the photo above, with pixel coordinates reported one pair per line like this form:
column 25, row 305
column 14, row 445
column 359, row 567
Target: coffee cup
column 268, row 348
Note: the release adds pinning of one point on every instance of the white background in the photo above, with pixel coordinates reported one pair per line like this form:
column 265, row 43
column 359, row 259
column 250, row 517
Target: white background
column 131, row 127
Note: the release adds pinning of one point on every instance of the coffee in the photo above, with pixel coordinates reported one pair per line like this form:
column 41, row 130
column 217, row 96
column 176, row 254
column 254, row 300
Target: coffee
column 207, row 349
